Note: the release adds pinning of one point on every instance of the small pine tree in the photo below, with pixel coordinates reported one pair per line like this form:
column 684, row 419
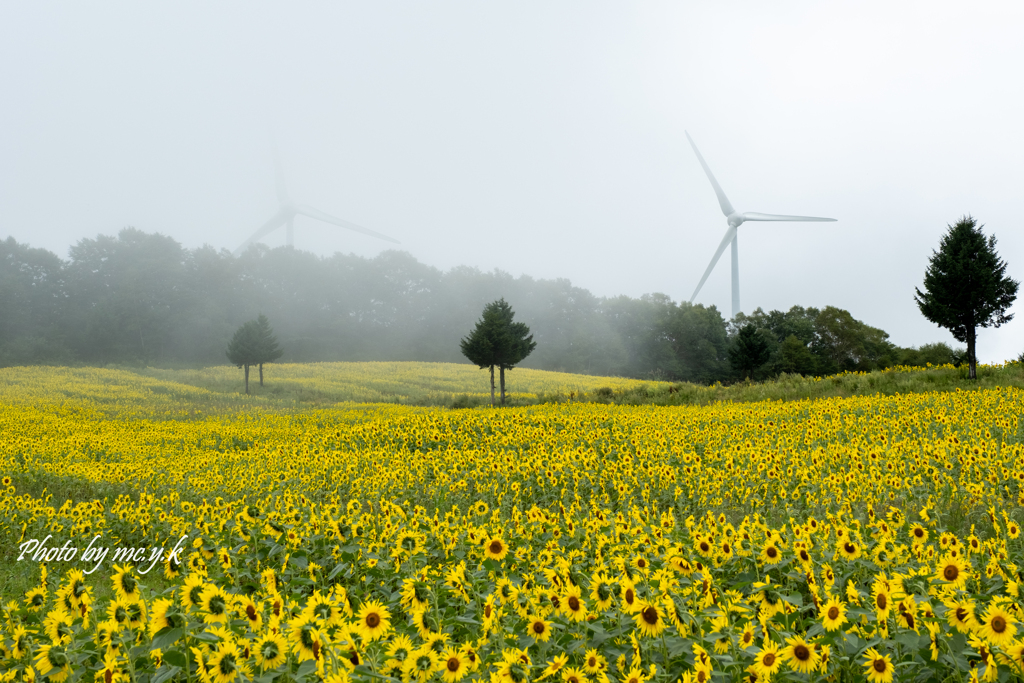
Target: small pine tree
column 244, row 348
column 966, row 287
column 498, row 341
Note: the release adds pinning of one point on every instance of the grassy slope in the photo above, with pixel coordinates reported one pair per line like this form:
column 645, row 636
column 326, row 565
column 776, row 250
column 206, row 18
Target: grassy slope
column 300, row 386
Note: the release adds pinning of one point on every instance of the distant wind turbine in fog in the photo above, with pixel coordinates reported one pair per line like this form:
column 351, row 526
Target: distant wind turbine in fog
column 286, row 215
column 735, row 219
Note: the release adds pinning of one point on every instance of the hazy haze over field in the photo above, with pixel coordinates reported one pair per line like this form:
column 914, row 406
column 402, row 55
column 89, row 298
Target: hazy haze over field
column 538, row 138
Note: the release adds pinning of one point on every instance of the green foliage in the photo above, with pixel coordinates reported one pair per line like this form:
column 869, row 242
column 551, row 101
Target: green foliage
column 966, row 286
column 498, row 341
column 141, row 300
column 749, row 352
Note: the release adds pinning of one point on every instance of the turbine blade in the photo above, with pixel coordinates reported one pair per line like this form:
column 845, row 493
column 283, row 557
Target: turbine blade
column 279, row 219
column 730, row 235
column 723, row 201
column 755, row 216
column 327, row 218
column 282, row 190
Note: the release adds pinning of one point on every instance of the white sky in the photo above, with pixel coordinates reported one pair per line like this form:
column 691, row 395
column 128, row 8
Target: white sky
column 536, row 137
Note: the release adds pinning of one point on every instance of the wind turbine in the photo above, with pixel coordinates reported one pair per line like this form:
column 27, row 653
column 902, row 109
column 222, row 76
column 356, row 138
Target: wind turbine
column 735, row 219
column 288, row 210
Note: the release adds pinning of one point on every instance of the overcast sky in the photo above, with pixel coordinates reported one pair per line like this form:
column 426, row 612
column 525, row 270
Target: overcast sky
column 541, row 138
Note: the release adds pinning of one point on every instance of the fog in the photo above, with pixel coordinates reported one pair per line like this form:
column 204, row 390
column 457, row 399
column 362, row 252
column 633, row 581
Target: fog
column 542, row 139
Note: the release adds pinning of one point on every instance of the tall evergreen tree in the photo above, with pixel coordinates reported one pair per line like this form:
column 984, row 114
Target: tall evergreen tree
column 268, row 350
column 749, row 352
column 966, row 286
column 244, row 349
column 516, row 342
column 497, row 340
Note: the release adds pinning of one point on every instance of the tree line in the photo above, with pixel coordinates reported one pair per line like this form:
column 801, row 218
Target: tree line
column 143, row 298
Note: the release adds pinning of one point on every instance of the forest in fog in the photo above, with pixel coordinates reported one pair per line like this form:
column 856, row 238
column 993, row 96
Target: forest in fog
column 141, row 298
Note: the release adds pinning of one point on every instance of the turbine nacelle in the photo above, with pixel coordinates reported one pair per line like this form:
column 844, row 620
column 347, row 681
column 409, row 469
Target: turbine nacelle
column 735, row 219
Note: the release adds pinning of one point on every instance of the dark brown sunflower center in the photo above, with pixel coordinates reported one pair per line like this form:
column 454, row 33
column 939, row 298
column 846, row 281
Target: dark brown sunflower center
column 373, row 620
column 879, row 666
column 495, row 547
column 961, row 614
column 768, row 659
column 650, row 615
column 882, row 601
column 453, row 664
column 833, row 612
column 574, row 603
column 850, row 548
column 771, row 552
column 950, row 572
column 999, row 624
column 538, row 627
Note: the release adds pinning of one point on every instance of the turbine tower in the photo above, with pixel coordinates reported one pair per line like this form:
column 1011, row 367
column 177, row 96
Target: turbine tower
column 288, row 210
column 735, row 219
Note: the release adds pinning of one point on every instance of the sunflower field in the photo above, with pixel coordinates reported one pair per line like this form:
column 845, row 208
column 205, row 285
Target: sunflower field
column 149, row 538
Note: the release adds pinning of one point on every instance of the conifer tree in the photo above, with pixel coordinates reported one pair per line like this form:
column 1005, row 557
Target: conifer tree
column 498, row 341
column 966, row 286
column 244, row 348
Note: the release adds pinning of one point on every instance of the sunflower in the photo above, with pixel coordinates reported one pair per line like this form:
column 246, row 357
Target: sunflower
column 951, row 570
column 593, row 662
column 35, row 598
column 226, row 663
column 770, row 553
column 252, row 613
column 495, row 548
column 539, row 628
column 747, row 636
column 514, row 667
column 602, row 591
column 374, row 621
column 111, row 671
column 480, row 508
column 453, row 665
column 630, row 602
column 848, row 549
column 554, row 666
column 649, row 618
column 125, row 584
column 52, row 662
column 192, row 591
column 165, row 615
column 767, row 660
column 881, row 600
column 573, row 605
column 800, row 655
column 571, row 675
column 214, row 601
column 271, row 651
column 421, row 665
column 997, row 627
column 833, row 614
column 960, row 615
column 57, row 625
column 425, row 622
column 879, row 668
column 305, row 638
column 415, row 594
